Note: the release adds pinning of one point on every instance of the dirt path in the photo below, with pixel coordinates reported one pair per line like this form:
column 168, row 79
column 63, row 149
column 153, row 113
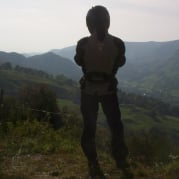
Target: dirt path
column 55, row 166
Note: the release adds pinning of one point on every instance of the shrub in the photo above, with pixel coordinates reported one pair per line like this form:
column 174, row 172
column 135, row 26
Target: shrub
column 150, row 147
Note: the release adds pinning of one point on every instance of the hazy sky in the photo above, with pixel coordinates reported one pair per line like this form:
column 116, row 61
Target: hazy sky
column 42, row 25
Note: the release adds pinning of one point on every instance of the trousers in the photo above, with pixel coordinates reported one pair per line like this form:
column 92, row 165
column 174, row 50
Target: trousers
column 89, row 110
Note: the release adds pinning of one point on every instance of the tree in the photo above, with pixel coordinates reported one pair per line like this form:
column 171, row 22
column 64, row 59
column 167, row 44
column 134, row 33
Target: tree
column 42, row 102
column 6, row 66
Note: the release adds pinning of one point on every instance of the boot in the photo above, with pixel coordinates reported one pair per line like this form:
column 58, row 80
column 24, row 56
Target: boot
column 124, row 166
column 95, row 171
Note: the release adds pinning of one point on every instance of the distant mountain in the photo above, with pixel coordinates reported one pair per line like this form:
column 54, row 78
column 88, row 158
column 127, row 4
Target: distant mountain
column 48, row 62
column 54, row 64
column 135, row 51
column 155, row 74
column 151, row 68
column 164, row 80
column 31, row 54
column 13, row 57
column 146, row 58
column 67, row 52
column 149, row 51
column 13, row 80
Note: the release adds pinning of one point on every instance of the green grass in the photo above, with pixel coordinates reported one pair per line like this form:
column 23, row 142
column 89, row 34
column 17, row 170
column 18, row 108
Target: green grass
column 135, row 119
column 13, row 81
column 33, row 149
column 67, row 103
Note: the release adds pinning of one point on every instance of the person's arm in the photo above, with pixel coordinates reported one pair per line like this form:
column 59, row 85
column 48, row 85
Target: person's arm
column 121, row 59
column 80, row 50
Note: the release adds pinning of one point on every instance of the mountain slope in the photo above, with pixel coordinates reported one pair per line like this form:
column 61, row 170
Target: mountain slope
column 135, row 51
column 49, row 62
column 67, row 52
column 158, row 79
column 151, row 68
column 54, row 64
column 143, row 58
column 12, row 81
column 13, row 58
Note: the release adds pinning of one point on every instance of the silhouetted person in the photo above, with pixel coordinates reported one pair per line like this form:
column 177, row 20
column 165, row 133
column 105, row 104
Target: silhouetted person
column 100, row 55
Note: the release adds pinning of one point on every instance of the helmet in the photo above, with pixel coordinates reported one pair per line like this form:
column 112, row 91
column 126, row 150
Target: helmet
column 98, row 19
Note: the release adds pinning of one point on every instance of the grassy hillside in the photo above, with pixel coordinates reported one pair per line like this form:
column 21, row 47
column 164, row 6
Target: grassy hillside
column 11, row 81
column 145, row 116
column 32, row 149
column 48, row 62
column 151, row 68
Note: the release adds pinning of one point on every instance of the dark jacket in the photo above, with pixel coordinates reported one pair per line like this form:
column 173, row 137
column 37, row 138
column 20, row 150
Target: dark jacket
column 100, row 61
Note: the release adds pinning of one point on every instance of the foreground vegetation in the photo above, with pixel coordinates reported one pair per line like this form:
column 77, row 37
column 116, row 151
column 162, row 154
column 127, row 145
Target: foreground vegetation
column 40, row 129
column 32, row 148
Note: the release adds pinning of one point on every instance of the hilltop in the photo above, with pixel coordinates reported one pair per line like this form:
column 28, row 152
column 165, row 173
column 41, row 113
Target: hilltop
column 14, row 79
column 48, row 62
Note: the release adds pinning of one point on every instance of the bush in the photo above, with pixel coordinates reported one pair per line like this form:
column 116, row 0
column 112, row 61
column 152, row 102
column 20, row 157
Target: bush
column 150, row 147
column 32, row 136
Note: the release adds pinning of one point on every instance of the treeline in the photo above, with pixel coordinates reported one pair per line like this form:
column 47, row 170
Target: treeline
column 33, row 102
column 60, row 79
column 22, row 120
column 40, row 73
column 156, row 106
column 63, row 87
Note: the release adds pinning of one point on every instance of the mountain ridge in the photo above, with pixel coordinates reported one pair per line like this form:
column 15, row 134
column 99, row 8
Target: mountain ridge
column 49, row 62
column 149, row 69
